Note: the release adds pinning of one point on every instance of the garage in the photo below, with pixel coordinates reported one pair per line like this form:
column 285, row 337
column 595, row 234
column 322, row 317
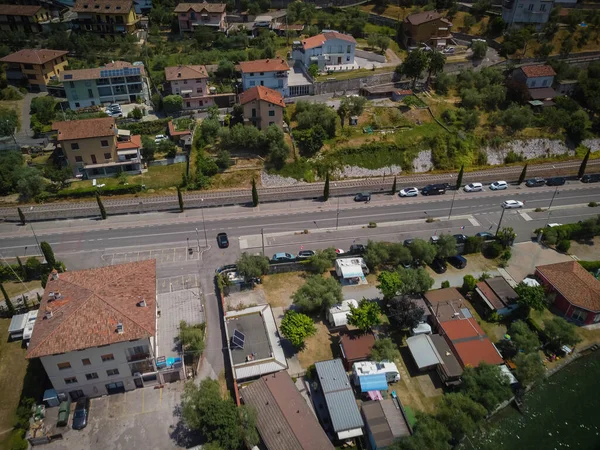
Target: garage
column 115, row 388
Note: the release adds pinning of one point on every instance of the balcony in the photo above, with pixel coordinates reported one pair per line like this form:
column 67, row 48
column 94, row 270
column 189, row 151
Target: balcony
column 281, row 75
column 138, row 357
column 142, row 367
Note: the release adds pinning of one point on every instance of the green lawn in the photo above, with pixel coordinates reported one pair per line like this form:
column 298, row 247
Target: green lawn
column 16, row 288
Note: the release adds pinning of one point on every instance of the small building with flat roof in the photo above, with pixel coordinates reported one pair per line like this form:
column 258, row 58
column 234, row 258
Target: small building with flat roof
column 254, row 343
column 449, row 368
column 385, row 421
column 355, row 346
column 446, row 304
column 423, row 351
column 497, row 295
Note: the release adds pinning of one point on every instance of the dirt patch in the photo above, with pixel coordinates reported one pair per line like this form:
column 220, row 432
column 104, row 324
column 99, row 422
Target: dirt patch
column 318, row 347
column 278, row 288
column 588, row 251
column 245, row 299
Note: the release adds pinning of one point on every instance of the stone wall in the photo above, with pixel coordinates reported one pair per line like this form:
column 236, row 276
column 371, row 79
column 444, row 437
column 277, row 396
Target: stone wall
column 338, row 86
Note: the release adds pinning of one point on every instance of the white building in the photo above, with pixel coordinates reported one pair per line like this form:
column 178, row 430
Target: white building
column 365, row 368
column 329, row 51
column 351, row 270
column 95, row 333
column 338, row 314
column 271, row 73
column 521, row 13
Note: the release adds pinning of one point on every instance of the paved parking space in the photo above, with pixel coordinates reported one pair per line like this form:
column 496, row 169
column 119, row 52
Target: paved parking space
column 162, row 256
column 172, row 284
column 141, row 418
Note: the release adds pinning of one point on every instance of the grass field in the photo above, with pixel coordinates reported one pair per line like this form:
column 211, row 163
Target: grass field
column 15, row 288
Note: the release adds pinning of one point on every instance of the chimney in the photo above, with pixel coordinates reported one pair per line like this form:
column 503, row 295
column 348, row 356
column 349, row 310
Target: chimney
column 120, row 328
column 51, row 296
column 178, row 74
column 142, row 303
column 54, row 274
column 48, row 314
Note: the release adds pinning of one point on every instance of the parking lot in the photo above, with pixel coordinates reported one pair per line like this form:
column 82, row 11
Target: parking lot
column 135, row 419
column 162, row 256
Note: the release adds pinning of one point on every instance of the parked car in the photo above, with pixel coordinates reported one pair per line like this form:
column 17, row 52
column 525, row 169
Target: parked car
column 552, row 225
column 448, row 50
column 593, row 178
column 498, row 185
column 511, row 204
column 160, row 137
column 114, row 114
column 362, row 197
column 81, row 413
column 434, row 189
column 222, row 240
column 283, row 257
column 357, row 249
column 305, row 254
column 409, row 192
column 339, row 251
column 555, row 181
column 460, row 238
column 114, row 106
column 458, row 261
column 486, row 235
column 434, row 239
column 438, row 265
column 408, row 242
column 535, row 182
column 473, row 187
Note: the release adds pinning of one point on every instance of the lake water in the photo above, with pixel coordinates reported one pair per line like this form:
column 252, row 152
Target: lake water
column 564, row 412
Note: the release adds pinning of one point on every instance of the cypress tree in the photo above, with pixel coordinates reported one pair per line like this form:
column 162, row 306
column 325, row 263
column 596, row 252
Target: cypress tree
column 460, row 177
column 326, row 188
column 523, row 174
column 394, row 187
column 180, row 199
column 48, row 254
column 21, row 216
column 9, row 305
column 101, row 206
column 583, row 166
column 254, row 193
column 39, row 298
column 22, row 268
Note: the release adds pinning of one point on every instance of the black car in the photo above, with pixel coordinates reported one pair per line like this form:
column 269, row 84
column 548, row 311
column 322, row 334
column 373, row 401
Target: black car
column 458, row 261
column 438, row 265
column 305, row 254
column 593, row 178
column 535, row 182
column 408, row 242
column 460, row 238
column 222, row 240
column 555, row 181
column 82, row 411
column 357, row 249
column 486, row 235
column 363, row 197
column 434, row 189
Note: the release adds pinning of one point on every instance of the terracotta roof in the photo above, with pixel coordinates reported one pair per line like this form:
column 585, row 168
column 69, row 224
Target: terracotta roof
column 404, row 92
column 264, row 65
column 538, row 71
column 133, row 143
column 474, row 352
column 84, row 129
column 492, row 298
column 262, row 93
column 320, row 39
column 20, row 10
column 199, row 7
column 94, row 73
column 542, row 93
column 577, row 285
column 423, row 17
column 173, row 132
column 462, row 329
column 285, row 422
column 356, row 345
column 33, row 56
column 90, row 305
column 185, row 72
column 443, row 295
column 103, row 6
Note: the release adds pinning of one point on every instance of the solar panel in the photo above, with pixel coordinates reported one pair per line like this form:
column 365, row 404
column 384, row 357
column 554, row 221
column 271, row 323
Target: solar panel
column 68, row 77
column 238, row 339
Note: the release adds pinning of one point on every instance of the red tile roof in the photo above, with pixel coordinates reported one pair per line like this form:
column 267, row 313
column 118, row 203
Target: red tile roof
column 199, row 7
column 356, row 345
column 262, row 93
column 473, row 352
column 423, row 17
column 133, row 143
column 90, row 305
column 492, row 298
column 264, row 65
column 94, row 73
column 20, row 10
column 174, row 73
column 320, row 39
column 33, row 56
column 576, row 285
column 173, row 132
column 84, row 129
column 538, row 71
column 103, row 6
column 461, row 329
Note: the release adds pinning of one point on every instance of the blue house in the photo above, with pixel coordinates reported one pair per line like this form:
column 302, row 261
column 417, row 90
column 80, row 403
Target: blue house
column 271, row 73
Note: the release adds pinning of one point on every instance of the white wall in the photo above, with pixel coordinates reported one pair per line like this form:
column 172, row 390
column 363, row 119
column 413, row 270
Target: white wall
column 268, row 79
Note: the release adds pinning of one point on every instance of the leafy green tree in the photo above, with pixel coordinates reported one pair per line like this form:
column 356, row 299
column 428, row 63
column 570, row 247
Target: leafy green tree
column 296, row 327
column 44, row 109
column 9, row 121
column 446, row 246
column 318, row 294
column 414, row 281
column 471, row 98
column 311, row 140
column 469, row 118
column 390, row 284
column 148, row 148
column 180, row 199
column 429, row 434
column 486, row 384
column 191, row 338
column 479, row 50
column 323, row 260
column 313, row 70
column 525, row 338
column 468, row 22
column 530, row 368
column 9, row 305
column 422, row 251
column 414, row 65
column 308, row 115
column 366, row 316
column 209, row 129
column 48, row 254
column 252, row 266
column 469, row 283
column 532, row 297
column 254, row 193
column 376, row 254
column 577, row 126
column 343, row 111
column 326, row 188
column 473, row 244
column 459, row 178
column 30, row 183
column 101, row 206
column 385, row 350
column 523, row 175
column 460, row 414
column 404, row 313
column 560, row 332
column 583, row 165
column 436, row 63
column 172, row 103
column 136, row 113
column 443, row 83
column 223, row 160
column 167, row 147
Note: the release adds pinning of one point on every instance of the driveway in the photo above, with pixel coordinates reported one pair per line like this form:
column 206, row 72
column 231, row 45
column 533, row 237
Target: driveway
column 527, row 255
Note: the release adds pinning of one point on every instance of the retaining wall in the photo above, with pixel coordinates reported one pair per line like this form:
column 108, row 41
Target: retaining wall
column 370, row 55
column 328, row 87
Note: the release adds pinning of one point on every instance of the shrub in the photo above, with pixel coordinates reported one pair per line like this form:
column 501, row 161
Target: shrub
column 590, row 266
column 445, row 284
column 563, row 246
column 592, row 204
column 469, row 283
column 538, row 209
column 151, row 127
column 473, row 244
column 493, row 250
column 429, row 220
column 106, row 191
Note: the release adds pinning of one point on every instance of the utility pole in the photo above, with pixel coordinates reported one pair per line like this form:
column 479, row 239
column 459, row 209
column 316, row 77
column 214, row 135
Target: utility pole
column 452, row 204
column 500, row 221
column 204, row 223
column 36, row 240
column 550, row 206
column 198, row 239
column 337, row 214
column 262, row 235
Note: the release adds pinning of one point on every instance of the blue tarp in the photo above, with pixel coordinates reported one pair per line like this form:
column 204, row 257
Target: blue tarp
column 375, row 382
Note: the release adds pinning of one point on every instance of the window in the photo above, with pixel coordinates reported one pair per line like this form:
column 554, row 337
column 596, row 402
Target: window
column 545, row 83
column 84, row 361
column 271, row 123
column 71, row 380
column 597, row 318
column 188, row 104
column 80, row 159
column 272, row 113
column 90, row 93
column 71, row 84
column 28, row 66
column 64, row 365
column 530, row 7
column 349, row 49
column 579, row 315
column 533, row 83
column 112, row 372
column 74, row 146
column 253, row 112
column 252, row 74
column 262, row 73
column 198, row 90
column 262, row 83
column 104, row 143
column 76, row 105
column 31, row 77
column 93, row 103
column 542, row 7
column 109, row 357
column 91, row 376
column 107, row 156
column 184, row 81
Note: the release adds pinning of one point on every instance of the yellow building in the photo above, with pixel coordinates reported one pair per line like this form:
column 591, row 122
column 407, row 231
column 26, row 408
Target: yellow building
column 26, row 18
column 38, row 66
column 106, row 17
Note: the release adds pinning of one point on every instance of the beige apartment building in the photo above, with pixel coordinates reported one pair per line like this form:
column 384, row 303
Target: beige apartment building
column 191, row 82
column 37, row 66
column 262, row 107
column 96, row 148
column 193, row 15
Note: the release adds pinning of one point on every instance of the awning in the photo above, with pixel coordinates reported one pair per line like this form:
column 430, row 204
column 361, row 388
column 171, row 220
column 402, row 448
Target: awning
column 127, row 152
column 187, row 91
column 375, row 395
column 423, row 351
column 354, row 271
column 122, row 132
column 375, row 382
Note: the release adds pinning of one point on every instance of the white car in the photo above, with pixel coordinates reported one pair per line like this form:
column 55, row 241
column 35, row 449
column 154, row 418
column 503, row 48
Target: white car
column 498, row 185
column 339, row 251
column 473, row 187
column 160, row 137
column 510, row 204
column 409, row 192
column 552, row 225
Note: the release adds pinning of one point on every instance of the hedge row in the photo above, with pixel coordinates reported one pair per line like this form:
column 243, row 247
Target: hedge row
column 151, row 127
column 590, row 266
column 106, row 190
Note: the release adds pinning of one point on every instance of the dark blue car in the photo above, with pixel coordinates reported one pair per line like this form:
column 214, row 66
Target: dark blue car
column 82, row 411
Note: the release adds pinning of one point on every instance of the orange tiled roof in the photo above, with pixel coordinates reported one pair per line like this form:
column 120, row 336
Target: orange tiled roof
column 91, row 304
column 199, row 7
column 19, row 10
column 538, row 71
column 457, row 329
column 103, row 6
column 33, row 56
column 320, row 39
column 473, row 352
column 577, row 285
column 262, row 93
column 84, row 129
column 264, row 65
column 174, row 73
column 133, row 143
column 173, row 132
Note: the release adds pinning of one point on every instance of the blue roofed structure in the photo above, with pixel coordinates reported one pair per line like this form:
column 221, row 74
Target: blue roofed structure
column 375, row 382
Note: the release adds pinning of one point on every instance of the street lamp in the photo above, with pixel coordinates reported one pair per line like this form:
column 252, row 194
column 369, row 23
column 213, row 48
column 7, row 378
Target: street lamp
column 38, row 242
column 337, row 215
column 204, row 223
column 500, row 221
column 262, row 235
